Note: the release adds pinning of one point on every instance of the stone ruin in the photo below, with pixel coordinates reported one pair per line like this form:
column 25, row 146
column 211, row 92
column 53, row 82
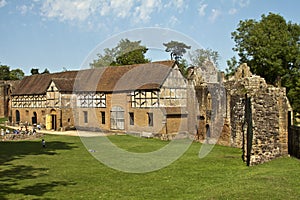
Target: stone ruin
column 253, row 114
column 6, row 88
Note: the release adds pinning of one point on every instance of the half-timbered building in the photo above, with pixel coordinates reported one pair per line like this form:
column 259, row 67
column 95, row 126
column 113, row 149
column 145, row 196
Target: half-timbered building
column 149, row 97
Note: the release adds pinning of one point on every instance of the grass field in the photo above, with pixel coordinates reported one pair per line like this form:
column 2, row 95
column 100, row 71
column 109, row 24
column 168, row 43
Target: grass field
column 66, row 170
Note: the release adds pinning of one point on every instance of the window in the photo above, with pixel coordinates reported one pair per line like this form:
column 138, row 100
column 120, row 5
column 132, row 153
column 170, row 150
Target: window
column 92, row 100
column 103, row 117
column 150, row 119
column 117, row 120
column 131, row 117
column 144, row 99
column 85, row 113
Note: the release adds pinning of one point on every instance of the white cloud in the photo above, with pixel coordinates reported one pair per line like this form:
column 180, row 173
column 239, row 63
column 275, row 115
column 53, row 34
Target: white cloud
column 241, row 3
column 244, row 3
column 23, row 9
column 68, row 9
column 105, row 8
column 215, row 13
column 2, row 3
column 144, row 11
column 201, row 9
column 232, row 11
column 179, row 5
column 173, row 21
column 121, row 8
column 78, row 10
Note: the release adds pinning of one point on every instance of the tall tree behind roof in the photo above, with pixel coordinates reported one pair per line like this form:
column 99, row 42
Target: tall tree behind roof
column 34, row 71
column 176, row 49
column 16, row 74
column 4, row 72
column 271, row 47
column 125, row 53
column 199, row 56
column 7, row 74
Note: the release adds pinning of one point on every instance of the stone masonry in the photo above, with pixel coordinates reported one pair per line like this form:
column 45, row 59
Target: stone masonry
column 268, row 107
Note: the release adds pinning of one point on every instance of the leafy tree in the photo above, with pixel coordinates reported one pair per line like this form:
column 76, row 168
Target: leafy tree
column 176, row 49
column 125, row 53
column 46, row 71
column 232, row 66
column 292, row 83
column 199, row 56
column 7, row 74
column 271, row 47
column 4, row 72
column 183, row 66
column 107, row 59
column 16, row 74
column 34, row 71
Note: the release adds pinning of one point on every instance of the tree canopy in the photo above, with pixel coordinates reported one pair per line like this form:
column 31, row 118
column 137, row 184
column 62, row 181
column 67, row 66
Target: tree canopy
column 7, row 74
column 271, row 47
column 176, row 49
column 34, row 71
column 46, row 71
column 125, row 53
column 199, row 56
column 16, row 74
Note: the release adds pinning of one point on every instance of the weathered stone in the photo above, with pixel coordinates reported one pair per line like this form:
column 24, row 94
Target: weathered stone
column 269, row 107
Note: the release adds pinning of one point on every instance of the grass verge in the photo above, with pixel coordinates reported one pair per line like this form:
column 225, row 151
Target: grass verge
column 66, row 170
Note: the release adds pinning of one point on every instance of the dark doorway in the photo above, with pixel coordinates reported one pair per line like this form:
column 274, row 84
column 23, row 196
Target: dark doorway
column 207, row 131
column 53, row 119
column 17, row 116
column 34, row 118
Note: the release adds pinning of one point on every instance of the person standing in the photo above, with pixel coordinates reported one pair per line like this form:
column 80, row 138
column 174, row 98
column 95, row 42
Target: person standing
column 43, row 143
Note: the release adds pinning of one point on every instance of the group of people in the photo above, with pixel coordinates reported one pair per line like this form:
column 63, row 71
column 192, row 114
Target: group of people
column 21, row 131
column 7, row 131
column 26, row 131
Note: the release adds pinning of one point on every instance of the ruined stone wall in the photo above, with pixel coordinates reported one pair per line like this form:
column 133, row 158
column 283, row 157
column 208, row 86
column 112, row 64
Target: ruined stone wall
column 237, row 120
column 6, row 89
column 269, row 114
column 210, row 111
column 269, row 107
column 2, row 100
column 267, row 142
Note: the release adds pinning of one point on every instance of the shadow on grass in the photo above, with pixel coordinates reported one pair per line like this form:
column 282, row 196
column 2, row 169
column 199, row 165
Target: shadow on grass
column 12, row 150
column 11, row 175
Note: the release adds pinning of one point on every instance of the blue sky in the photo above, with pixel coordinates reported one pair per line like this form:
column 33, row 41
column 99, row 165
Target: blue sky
column 58, row 34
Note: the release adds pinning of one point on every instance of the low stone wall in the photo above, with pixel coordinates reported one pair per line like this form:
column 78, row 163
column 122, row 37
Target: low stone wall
column 20, row 136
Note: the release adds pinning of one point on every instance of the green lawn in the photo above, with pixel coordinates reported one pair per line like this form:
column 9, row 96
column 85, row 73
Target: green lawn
column 66, row 170
column 3, row 120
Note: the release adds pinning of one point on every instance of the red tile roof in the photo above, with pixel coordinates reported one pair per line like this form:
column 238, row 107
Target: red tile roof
column 38, row 84
column 105, row 79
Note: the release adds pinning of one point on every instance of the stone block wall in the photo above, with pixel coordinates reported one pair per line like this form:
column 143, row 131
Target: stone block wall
column 269, row 115
column 267, row 142
column 6, row 88
column 2, row 100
